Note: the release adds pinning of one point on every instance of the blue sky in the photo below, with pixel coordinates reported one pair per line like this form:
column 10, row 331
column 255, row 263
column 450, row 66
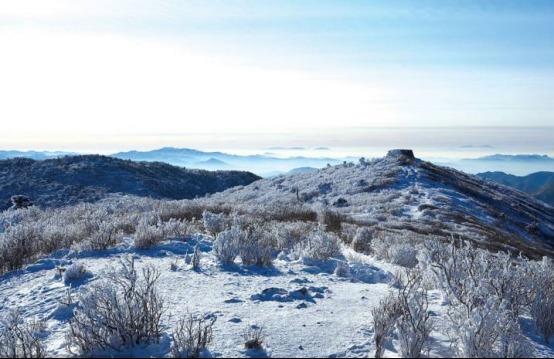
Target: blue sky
column 104, row 72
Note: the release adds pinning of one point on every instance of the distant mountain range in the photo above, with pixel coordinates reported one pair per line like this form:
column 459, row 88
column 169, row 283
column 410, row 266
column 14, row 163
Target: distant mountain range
column 513, row 158
column 274, row 164
column 35, row 155
column 88, row 178
column 539, row 184
column 519, row 165
column 263, row 165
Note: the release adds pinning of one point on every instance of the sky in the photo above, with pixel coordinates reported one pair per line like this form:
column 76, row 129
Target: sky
column 102, row 75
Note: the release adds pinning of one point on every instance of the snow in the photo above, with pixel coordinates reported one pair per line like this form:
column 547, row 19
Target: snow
column 322, row 314
column 304, row 309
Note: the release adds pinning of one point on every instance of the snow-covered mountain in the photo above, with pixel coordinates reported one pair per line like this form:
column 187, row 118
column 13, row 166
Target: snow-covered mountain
column 400, row 191
column 353, row 260
column 88, row 178
column 538, row 184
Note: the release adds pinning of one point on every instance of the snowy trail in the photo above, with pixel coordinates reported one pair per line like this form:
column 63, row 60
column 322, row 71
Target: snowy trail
column 332, row 319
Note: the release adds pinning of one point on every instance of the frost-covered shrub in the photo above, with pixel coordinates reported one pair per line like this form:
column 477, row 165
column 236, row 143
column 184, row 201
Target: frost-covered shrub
column 542, row 306
column 404, row 256
column 256, row 247
column 18, row 246
column 174, row 228
column 75, row 272
column 191, row 336
column 120, row 313
column 183, row 211
column 104, row 236
column 348, row 232
column 384, row 318
column 362, row 240
column 147, row 235
column 226, row 246
column 287, row 235
column 342, row 270
column 195, row 261
column 399, row 249
column 482, row 312
column 414, row 324
column 214, row 223
column 19, row 339
column 318, row 246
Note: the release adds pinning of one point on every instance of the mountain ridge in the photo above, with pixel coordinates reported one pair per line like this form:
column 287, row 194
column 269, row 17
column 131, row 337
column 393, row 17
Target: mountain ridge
column 538, row 184
column 88, row 178
column 400, row 192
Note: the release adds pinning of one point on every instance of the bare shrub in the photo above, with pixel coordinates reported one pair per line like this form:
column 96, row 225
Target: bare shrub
column 191, row 336
column 253, row 337
column 18, row 245
column 120, row 313
column 20, row 201
column 19, row 339
column 291, row 213
column 333, row 221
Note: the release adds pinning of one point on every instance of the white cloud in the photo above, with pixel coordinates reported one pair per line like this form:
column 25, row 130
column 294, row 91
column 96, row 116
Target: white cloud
column 57, row 83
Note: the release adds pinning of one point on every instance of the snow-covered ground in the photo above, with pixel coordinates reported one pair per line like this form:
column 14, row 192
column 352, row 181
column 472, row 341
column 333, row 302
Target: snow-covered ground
column 304, row 308
column 391, row 208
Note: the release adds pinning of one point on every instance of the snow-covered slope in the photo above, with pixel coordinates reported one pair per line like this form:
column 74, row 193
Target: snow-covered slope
column 305, row 310
column 312, row 288
column 401, row 192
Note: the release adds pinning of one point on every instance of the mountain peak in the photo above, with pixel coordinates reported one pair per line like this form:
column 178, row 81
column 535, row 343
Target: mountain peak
column 404, row 156
column 401, row 153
